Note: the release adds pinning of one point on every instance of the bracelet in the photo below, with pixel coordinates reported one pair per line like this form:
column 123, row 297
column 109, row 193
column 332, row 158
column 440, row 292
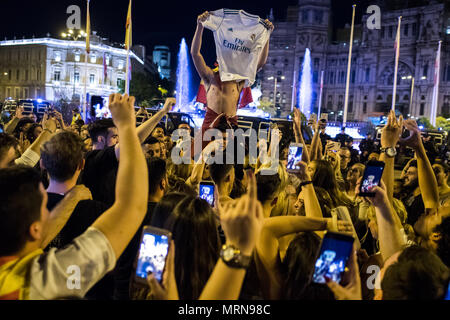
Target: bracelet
column 305, row 183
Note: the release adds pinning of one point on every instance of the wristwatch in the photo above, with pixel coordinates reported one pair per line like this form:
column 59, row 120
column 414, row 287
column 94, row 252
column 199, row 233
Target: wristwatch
column 391, row 152
column 233, row 257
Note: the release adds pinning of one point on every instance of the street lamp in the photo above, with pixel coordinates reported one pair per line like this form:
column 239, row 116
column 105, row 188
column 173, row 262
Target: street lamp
column 70, row 34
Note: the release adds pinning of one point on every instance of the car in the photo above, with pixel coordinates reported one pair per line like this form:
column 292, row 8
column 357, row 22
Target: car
column 171, row 121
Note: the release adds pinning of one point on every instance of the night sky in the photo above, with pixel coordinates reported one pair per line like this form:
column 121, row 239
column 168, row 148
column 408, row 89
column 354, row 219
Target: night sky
column 154, row 22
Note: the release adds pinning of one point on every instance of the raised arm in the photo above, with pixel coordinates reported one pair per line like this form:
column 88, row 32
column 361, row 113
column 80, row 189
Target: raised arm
column 315, row 152
column 11, row 125
column 297, row 125
column 312, row 206
column 203, row 70
column 427, row 180
column 120, row 222
column 389, row 138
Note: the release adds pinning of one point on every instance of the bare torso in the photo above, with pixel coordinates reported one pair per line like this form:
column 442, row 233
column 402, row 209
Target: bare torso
column 223, row 97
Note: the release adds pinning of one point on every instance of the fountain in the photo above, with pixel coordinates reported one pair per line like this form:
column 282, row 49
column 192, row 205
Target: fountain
column 183, row 80
column 305, row 86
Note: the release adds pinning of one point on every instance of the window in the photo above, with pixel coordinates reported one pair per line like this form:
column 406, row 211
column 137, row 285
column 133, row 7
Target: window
column 382, row 32
column 17, row 75
column 406, row 97
column 414, row 29
column 77, row 57
column 391, row 30
column 92, row 78
column 423, row 98
column 26, row 75
column 8, row 92
column 406, row 29
column 305, row 16
column 17, row 96
column 316, row 62
column 279, row 73
column 25, row 93
column 107, row 60
column 331, row 77
column 448, row 73
column 76, row 77
column 318, row 16
column 422, row 109
column 425, row 70
column 353, row 76
column 119, row 82
column 379, row 98
column 9, row 75
column 120, row 64
column 93, row 59
column 57, row 56
column 367, row 75
column 315, row 76
column 364, row 107
column 57, row 75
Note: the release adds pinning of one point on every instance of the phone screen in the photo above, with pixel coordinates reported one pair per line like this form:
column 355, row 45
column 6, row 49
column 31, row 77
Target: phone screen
column 372, row 177
column 294, row 157
column 206, row 192
column 152, row 255
column 447, row 296
column 333, row 256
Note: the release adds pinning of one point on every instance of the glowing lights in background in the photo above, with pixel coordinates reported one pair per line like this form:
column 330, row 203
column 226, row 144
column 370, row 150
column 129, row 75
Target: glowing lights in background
column 183, row 80
column 305, row 86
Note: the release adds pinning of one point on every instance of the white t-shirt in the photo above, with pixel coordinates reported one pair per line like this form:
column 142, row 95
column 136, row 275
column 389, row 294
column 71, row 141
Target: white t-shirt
column 72, row 271
column 240, row 38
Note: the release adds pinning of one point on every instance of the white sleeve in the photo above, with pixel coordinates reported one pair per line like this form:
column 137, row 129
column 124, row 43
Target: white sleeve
column 263, row 38
column 214, row 20
column 72, row 271
column 28, row 158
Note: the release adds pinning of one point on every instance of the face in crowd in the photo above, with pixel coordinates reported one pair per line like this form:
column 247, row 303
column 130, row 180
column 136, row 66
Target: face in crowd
column 345, row 158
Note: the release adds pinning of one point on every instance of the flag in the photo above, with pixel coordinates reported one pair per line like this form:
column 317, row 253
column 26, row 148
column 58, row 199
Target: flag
column 128, row 33
column 105, row 68
column 397, row 55
column 434, row 103
column 88, row 29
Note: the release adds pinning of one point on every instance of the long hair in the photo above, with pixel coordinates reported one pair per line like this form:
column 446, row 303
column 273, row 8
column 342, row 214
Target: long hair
column 197, row 245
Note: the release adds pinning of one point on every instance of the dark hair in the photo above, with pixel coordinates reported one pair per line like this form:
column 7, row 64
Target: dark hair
column 159, row 125
column 197, row 245
column 100, row 128
column 6, row 142
column 325, row 178
column 418, row 274
column 298, row 265
column 79, row 122
column 267, row 186
column 163, row 212
column 177, row 184
column 21, row 202
column 22, row 122
column 218, row 172
column 62, row 155
column 238, row 189
column 325, row 202
column 443, row 244
column 223, row 125
column 151, row 140
column 30, row 132
column 157, row 171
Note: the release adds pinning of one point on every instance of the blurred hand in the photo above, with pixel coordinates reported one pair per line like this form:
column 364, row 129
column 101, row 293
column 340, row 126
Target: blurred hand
column 168, row 290
column 49, row 123
column 242, row 220
column 122, row 110
column 414, row 140
column 80, row 192
column 392, row 131
column 352, row 289
column 202, row 18
column 169, row 104
column 269, row 24
column 19, row 111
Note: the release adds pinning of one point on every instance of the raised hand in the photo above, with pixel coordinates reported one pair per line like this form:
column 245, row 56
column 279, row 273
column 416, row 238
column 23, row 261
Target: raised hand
column 391, row 131
column 202, row 18
column 49, row 123
column 269, row 24
column 19, row 111
column 242, row 220
column 122, row 110
column 169, row 104
column 414, row 140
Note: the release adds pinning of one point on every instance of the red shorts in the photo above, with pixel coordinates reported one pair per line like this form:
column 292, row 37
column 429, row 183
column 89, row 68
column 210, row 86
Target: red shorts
column 212, row 120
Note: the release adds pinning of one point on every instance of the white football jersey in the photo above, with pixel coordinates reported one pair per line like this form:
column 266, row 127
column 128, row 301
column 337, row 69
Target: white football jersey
column 240, row 38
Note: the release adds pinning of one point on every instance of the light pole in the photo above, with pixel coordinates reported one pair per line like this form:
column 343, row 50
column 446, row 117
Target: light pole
column 71, row 34
column 275, row 89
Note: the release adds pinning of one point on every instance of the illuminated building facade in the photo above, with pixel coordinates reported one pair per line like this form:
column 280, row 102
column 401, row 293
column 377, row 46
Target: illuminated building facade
column 54, row 69
column 309, row 25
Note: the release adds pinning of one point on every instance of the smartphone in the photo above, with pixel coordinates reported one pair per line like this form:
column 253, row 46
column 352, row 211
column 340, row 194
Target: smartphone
column 153, row 250
column 206, row 192
column 371, row 178
column 294, row 156
column 447, row 296
column 333, row 255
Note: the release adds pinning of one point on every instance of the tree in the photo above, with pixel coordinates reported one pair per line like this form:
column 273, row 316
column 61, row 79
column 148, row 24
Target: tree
column 443, row 123
column 149, row 87
column 267, row 106
column 425, row 122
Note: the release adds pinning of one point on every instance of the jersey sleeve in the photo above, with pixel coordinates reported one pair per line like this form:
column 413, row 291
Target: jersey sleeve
column 214, row 20
column 72, row 271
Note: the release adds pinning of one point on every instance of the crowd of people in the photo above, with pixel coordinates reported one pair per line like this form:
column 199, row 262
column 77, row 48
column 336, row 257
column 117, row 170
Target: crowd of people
column 79, row 195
